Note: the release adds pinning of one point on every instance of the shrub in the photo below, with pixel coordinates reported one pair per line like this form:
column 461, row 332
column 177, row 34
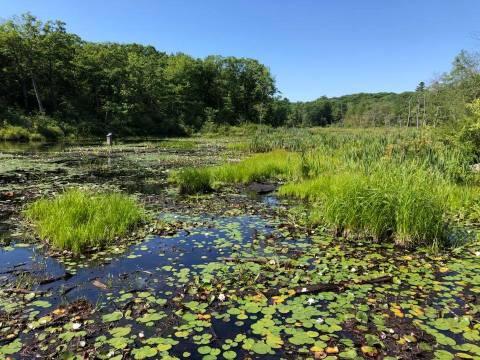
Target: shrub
column 469, row 137
column 36, row 137
column 14, row 133
column 51, row 132
column 77, row 220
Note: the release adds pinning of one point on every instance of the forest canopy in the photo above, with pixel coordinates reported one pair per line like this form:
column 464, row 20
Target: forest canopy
column 55, row 83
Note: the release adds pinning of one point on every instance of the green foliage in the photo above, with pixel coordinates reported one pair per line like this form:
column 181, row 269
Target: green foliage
column 14, row 133
column 192, row 180
column 346, row 147
column 130, row 89
column 294, row 139
column 51, row 132
column 276, row 165
column 442, row 102
column 469, row 136
column 94, row 88
column 211, row 129
column 36, row 137
column 389, row 202
column 77, row 220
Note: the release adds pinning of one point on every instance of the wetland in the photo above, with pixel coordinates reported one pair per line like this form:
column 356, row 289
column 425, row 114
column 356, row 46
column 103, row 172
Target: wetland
column 236, row 272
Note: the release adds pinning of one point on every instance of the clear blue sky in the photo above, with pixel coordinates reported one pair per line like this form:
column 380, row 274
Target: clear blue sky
column 313, row 47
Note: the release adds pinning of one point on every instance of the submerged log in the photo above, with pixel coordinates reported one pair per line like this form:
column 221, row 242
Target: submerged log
column 65, row 276
column 260, row 188
column 22, row 291
column 263, row 261
column 337, row 287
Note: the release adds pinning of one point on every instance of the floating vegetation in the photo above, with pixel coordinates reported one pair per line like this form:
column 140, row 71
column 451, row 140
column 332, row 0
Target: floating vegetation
column 293, row 295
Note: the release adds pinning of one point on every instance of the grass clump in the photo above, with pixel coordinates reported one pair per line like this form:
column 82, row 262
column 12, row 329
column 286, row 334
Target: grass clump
column 77, row 220
column 398, row 203
column 275, row 165
column 193, row 180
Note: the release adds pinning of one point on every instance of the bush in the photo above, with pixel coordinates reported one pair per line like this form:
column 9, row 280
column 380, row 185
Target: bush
column 77, row 220
column 469, row 137
column 36, row 137
column 14, row 133
column 51, row 132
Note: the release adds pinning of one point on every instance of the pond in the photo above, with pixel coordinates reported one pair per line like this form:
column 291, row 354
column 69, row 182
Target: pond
column 228, row 275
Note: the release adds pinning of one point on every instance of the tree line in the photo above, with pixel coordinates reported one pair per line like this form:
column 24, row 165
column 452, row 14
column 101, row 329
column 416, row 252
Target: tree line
column 444, row 101
column 54, row 82
column 48, row 74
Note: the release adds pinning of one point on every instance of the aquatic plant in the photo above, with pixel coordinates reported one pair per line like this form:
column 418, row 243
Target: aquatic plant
column 193, row 180
column 272, row 166
column 183, row 144
column 389, row 202
column 275, row 165
column 365, row 147
column 77, row 219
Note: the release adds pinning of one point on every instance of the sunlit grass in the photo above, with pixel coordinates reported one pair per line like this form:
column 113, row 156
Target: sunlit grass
column 399, row 184
column 276, row 165
column 77, row 220
column 399, row 203
column 193, row 180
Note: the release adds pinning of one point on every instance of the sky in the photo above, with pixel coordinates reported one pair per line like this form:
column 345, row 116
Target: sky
column 312, row 47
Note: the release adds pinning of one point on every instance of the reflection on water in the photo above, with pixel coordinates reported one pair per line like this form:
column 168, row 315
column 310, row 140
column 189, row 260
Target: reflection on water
column 29, row 147
column 40, row 147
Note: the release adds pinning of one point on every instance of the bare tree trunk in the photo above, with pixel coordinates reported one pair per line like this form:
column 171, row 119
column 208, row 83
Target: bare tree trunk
column 409, row 112
column 436, row 116
column 418, row 111
column 424, row 110
column 40, row 106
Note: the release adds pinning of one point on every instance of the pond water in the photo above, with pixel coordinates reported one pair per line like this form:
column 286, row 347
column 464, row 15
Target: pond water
column 228, row 275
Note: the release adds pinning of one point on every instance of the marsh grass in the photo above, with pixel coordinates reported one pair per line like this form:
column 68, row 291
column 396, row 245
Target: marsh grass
column 365, row 147
column 463, row 202
column 77, row 220
column 398, row 184
column 276, row 165
column 399, row 203
column 180, row 144
column 193, row 180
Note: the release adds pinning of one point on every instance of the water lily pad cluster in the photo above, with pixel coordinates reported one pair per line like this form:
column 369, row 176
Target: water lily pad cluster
column 233, row 289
